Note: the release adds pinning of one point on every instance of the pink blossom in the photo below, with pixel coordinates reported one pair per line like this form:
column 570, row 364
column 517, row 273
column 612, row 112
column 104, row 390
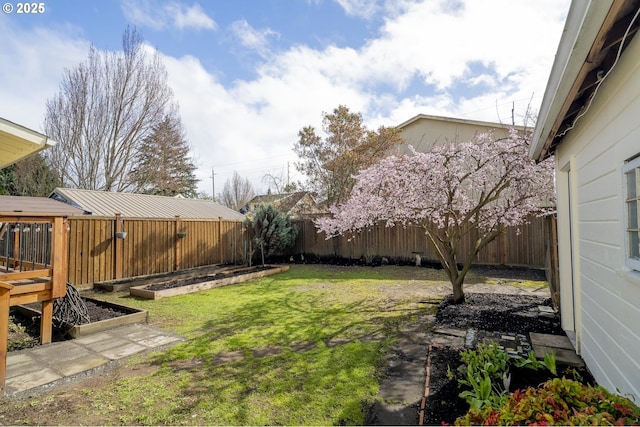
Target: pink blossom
column 484, row 184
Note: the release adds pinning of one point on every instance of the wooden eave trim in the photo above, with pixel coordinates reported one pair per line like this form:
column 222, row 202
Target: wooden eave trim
column 589, row 65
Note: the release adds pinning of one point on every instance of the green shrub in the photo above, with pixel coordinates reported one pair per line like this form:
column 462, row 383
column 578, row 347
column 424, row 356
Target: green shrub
column 485, row 373
column 557, row 402
column 273, row 231
column 487, row 357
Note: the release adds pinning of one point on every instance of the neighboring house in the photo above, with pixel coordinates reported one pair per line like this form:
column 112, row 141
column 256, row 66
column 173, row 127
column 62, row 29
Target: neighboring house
column 423, row 132
column 18, row 142
column 295, row 205
column 590, row 120
column 131, row 205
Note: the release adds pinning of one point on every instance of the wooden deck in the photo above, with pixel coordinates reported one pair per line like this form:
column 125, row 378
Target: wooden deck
column 23, row 282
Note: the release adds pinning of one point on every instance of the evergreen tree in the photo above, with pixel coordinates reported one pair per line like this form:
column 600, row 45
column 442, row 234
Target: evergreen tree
column 163, row 165
column 273, row 231
column 28, row 177
column 7, row 186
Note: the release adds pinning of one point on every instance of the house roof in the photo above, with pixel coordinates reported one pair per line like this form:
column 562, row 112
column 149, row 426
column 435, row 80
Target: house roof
column 18, row 142
column 131, row 205
column 11, row 205
column 455, row 120
column 595, row 35
column 283, row 202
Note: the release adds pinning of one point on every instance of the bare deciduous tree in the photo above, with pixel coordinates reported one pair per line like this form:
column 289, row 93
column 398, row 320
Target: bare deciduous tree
column 278, row 182
column 105, row 107
column 237, row 192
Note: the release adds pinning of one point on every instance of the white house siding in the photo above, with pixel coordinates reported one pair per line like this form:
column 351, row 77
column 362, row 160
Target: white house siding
column 608, row 301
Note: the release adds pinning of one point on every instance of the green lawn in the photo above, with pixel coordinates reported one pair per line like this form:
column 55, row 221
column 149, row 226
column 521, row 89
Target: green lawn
column 301, row 348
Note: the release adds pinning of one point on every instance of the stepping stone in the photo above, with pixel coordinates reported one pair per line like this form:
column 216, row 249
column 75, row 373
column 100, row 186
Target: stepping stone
column 267, row 351
column 558, row 344
column 224, row 358
column 549, row 340
column 450, row 331
column 303, row 347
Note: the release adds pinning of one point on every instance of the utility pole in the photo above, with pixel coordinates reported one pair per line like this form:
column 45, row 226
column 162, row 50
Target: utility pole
column 213, row 184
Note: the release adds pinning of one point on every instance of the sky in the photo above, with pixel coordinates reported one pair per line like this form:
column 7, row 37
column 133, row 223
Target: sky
column 248, row 75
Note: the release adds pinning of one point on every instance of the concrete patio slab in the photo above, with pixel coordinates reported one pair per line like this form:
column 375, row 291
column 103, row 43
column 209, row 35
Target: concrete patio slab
column 43, row 365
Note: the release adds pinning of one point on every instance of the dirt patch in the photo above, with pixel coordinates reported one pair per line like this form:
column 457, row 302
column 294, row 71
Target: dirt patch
column 68, row 404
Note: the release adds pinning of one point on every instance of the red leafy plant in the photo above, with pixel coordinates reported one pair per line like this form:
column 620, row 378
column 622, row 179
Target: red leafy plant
column 559, row 401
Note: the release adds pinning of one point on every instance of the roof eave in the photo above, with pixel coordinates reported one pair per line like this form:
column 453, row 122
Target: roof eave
column 584, row 21
column 31, row 140
column 457, row 121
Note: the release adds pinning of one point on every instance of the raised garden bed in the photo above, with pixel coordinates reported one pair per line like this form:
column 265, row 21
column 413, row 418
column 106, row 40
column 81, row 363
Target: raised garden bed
column 221, row 278
column 124, row 284
column 103, row 316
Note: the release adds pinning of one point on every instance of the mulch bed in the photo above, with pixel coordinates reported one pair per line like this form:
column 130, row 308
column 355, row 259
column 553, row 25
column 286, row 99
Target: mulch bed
column 498, row 312
column 485, row 312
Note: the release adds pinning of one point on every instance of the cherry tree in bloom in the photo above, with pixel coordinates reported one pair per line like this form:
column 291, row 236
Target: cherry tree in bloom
column 483, row 184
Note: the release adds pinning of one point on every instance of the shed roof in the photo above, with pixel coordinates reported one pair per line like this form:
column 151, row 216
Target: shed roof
column 131, row 205
column 18, row 142
column 10, row 205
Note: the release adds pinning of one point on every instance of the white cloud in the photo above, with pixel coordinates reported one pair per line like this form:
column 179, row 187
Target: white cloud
column 191, row 17
column 150, row 14
column 362, row 8
column 251, row 125
column 31, row 67
column 251, row 38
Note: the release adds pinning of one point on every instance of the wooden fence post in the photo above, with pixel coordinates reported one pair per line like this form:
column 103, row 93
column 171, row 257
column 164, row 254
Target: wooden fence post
column 58, row 248
column 5, row 290
column 118, row 251
column 177, row 245
column 220, row 245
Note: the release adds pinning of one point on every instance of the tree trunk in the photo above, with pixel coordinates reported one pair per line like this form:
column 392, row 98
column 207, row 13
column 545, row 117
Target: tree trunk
column 458, row 293
column 456, row 278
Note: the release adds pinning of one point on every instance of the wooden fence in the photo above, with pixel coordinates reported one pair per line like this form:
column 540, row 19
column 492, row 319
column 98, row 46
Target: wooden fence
column 517, row 246
column 149, row 246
